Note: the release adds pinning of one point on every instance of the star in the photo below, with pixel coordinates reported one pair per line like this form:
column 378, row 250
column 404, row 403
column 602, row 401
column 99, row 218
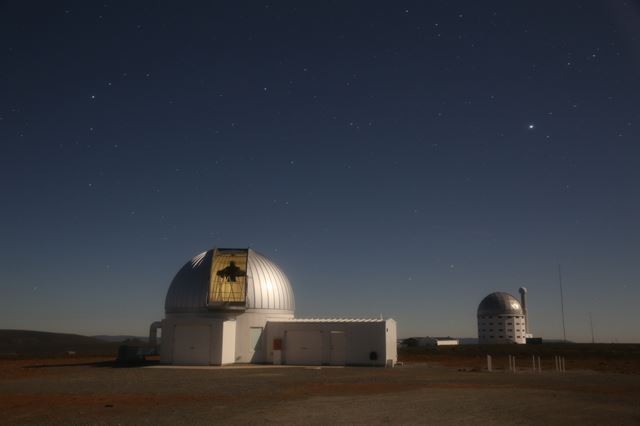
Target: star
column 531, row 126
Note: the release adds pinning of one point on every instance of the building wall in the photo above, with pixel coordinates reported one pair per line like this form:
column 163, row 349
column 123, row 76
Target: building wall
column 244, row 353
column 226, row 347
column 227, row 352
column 501, row 329
column 361, row 340
column 198, row 340
column 391, row 341
column 249, row 338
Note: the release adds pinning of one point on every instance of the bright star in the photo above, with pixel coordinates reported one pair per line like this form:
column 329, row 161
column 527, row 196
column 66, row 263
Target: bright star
column 531, row 126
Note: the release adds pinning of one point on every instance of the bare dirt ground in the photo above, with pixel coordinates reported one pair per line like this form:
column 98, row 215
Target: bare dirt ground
column 96, row 391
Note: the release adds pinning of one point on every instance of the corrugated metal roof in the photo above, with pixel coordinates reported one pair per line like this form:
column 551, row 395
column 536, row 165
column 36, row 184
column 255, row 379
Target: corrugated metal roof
column 267, row 286
column 331, row 320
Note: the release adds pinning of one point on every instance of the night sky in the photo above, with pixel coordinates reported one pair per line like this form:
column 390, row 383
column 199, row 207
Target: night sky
column 402, row 159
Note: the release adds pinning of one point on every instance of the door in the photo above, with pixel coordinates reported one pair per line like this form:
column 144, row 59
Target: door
column 303, row 347
column 192, row 344
column 338, row 348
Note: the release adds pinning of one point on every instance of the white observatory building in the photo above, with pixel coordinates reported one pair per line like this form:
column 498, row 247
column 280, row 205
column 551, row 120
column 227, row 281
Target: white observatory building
column 236, row 306
column 503, row 319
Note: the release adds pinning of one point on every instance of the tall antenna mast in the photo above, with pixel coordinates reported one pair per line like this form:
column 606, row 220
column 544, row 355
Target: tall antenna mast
column 564, row 328
column 593, row 339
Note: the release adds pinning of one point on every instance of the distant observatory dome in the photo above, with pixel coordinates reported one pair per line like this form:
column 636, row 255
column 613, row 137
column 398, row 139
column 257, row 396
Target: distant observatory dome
column 501, row 319
column 247, row 281
column 500, row 303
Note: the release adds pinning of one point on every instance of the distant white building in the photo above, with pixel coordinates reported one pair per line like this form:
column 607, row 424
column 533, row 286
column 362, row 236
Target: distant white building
column 441, row 341
column 428, row 341
column 236, row 306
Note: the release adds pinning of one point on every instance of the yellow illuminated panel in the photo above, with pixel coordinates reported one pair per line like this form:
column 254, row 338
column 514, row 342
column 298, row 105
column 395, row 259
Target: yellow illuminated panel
column 228, row 276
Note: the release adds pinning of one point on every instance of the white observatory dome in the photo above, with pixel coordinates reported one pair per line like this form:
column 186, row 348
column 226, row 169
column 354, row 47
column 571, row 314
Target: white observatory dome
column 259, row 284
column 233, row 305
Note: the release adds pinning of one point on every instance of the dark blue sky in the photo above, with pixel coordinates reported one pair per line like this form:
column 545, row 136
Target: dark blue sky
column 403, row 159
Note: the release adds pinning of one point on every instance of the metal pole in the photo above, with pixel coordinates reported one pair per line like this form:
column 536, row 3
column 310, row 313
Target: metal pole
column 489, row 363
column 539, row 365
column 564, row 328
column 593, row 339
column 533, row 361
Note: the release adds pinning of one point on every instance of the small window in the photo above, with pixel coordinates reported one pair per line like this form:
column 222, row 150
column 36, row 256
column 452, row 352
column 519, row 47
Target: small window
column 500, row 337
column 491, row 337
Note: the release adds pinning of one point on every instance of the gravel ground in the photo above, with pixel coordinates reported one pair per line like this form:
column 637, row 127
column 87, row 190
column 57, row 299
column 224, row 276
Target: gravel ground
column 90, row 392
